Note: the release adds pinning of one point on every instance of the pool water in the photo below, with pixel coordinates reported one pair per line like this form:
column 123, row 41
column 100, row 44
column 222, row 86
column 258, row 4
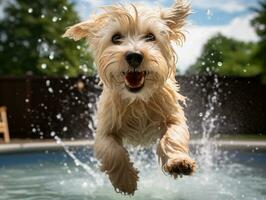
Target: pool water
column 45, row 175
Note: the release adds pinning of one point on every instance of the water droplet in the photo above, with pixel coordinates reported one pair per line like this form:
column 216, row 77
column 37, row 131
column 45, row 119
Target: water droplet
column 58, row 140
column 52, row 133
column 209, row 13
column 51, row 90
column 84, row 184
column 59, row 116
column 65, row 129
column 44, row 66
column 42, row 16
column 84, row 68
column 48, row 83
column 220, row 64
column 30, row 10
column 51, row 56
column 55, row 19
column 27, row 100
column 65, row 8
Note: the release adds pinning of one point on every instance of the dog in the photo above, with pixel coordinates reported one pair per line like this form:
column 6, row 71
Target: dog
column 140, row 103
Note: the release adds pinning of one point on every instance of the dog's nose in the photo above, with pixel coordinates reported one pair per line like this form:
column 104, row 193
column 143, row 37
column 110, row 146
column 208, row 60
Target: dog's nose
column 134, row 59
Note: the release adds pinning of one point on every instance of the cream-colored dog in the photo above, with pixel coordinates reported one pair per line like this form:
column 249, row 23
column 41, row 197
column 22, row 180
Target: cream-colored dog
column 140, row 103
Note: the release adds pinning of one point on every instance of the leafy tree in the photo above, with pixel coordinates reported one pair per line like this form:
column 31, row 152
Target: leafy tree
column 227, row 57
column 31, row 39
column 259, row 22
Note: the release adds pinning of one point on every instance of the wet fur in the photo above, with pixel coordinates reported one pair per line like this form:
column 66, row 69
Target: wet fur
column 152, row 114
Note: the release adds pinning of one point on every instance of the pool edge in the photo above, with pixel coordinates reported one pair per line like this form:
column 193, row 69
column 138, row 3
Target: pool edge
column 53, row 145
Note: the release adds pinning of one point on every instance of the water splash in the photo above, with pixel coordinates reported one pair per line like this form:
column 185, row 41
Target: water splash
column 209, row 14
column 86, row 167
column 146, row 159
column 207, row 151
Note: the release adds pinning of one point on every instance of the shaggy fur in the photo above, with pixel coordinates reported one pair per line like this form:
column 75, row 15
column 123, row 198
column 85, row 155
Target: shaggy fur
column 151, row 114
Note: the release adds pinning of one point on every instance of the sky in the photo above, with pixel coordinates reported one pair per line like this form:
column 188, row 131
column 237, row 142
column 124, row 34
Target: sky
column 229, row 17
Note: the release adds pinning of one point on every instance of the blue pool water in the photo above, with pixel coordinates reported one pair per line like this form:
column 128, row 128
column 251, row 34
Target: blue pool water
column 229, row 174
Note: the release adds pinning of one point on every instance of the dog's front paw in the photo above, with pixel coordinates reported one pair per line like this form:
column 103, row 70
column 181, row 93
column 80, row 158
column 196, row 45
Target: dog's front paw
column 180, row 166
column 125, row 182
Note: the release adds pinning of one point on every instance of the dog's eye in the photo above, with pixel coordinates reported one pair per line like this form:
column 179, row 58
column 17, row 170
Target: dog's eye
column 116, row 39
column 150, row 37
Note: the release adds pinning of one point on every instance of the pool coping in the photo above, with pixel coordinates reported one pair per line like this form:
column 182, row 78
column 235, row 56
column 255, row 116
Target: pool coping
column 53, row 145
column 46, row 145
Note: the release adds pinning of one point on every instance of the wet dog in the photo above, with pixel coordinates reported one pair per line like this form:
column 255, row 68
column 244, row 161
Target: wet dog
column 140, row 103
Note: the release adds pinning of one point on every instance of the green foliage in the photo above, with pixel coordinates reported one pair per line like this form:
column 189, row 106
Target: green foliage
column 31, row 40
column 227, row 57
column 259, row 23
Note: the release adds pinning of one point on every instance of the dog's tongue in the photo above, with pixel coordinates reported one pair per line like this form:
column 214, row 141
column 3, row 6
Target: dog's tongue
column 134, row 78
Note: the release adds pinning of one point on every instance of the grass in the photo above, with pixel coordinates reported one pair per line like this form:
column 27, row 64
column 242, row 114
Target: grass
column 243, row 137
column 239, row 137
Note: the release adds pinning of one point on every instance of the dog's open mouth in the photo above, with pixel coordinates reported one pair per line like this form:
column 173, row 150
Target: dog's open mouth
column 134, row 80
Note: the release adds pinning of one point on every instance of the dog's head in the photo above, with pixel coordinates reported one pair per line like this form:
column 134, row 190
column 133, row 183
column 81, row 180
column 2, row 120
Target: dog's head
column 132, row 45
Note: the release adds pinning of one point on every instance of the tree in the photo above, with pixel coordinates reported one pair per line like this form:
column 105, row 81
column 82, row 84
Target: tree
column 31, row 40
column 259, row 23
column 227, row 57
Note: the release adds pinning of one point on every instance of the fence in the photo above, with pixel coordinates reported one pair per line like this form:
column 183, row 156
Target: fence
column 42, row 107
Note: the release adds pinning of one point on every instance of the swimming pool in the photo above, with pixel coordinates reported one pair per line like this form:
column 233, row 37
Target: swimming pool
column 48, row 174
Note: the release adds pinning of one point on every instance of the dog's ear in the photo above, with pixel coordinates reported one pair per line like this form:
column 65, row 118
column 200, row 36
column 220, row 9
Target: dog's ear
column 79, row 31
column 175, row 17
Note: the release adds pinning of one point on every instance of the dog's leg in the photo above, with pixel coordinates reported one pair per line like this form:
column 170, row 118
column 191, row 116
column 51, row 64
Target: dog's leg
column 115, row 162
column 173, row 151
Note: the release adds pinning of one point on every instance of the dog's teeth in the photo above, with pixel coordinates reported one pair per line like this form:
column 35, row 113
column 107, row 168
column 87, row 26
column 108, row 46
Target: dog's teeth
column 127, row 83
column 142, row 80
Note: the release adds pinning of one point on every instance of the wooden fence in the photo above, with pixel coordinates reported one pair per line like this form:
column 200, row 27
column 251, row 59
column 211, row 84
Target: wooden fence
column 42, row 107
